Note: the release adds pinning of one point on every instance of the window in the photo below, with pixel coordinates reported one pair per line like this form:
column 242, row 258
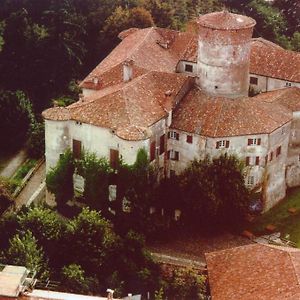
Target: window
column 257, row 160
column 76, row 149
column 288, row 84
column 254, row 142
column 250, row 180
column 253, row 80
column 271, row 156
column 248, row 161
column 188, row 68
column 266, row 160
column 173, row 135
column 78, row 123
column 152, row 150
column 173, row 155
column 162, row 144
column 222, row 144
column 114, row 158
column 189, row 139
column 278, row 151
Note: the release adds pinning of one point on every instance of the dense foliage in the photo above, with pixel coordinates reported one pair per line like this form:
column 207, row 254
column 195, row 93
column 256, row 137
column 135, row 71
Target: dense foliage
column 40, row 239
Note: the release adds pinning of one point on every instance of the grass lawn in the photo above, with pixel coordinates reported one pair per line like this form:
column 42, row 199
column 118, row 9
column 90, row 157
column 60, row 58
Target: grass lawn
column 285, row 222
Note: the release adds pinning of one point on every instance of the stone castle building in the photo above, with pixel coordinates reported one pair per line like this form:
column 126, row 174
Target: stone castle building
column 184, row 95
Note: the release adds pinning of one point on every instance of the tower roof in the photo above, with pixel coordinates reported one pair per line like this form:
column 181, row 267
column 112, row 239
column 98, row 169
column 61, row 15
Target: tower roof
column 224, row 20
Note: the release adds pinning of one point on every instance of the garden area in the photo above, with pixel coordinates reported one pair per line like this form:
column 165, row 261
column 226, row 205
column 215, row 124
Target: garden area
column 283, row 218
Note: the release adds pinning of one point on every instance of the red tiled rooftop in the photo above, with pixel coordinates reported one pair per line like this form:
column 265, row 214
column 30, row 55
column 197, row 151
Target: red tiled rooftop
column 128, row 108
column 270, row 60
column 225, row 20
column 224, row 117
column 254, row 271
column 287, row 97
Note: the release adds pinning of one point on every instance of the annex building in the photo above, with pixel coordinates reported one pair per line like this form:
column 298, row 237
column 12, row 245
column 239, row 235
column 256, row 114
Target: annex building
column 185, row 95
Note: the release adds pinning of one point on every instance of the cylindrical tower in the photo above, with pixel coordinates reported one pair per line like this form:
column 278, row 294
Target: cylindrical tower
column 224, row 54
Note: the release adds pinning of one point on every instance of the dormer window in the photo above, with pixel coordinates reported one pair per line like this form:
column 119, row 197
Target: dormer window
column 188, row 68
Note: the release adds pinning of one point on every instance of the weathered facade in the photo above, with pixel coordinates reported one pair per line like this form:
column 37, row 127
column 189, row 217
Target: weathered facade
column 184, row 95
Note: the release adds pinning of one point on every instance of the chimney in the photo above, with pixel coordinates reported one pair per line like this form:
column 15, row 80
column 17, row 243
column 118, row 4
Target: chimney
column 127, row 70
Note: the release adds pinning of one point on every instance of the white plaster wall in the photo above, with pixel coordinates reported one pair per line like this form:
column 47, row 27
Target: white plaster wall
column 87, row 92
column 270, row 178
column 270, row 84
column 59, row 136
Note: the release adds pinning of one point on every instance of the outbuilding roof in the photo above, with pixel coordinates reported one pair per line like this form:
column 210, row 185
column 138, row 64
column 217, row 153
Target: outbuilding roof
column 223, row 117
column 254, row 271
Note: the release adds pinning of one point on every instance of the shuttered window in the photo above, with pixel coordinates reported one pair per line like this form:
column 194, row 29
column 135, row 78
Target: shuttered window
column 173, row 155
column 222, row 144
column 247, row 161
column 189, row 139
column 278, row 151
column 254, row 142
column 257, row 160
column 173, row 135
column 76, row 149
column 162, row 144
column 114, row 158
column 152, row 150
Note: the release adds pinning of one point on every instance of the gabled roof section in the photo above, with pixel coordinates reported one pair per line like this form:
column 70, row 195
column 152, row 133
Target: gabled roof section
column 270, row 60
column 254, row 271
column 149, row 49
column 287, row 97
column 128, row 108
column 223, row 117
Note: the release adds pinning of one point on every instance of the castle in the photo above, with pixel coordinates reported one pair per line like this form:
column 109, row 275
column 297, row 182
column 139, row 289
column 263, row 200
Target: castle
column 184, row 95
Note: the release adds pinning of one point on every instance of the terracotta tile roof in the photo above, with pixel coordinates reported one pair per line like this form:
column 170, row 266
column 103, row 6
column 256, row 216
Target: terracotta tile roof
column 128, row 108
column 273, row 61
column 287, row 97
column 225, row 20
column 224, row 117
column 254, row 271
column 149, row 49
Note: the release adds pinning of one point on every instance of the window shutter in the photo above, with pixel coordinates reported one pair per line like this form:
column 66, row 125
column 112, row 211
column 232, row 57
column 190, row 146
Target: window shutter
column 189, row 139
column 168, row 154
column 247, row 161
column 266, row 159
column 217, row 145
column 114, row 158
column 162, row 144
column 227, row 144
column 250, row 141
column 76, row 149
column 176, row 155
column 169, row 134
column 152, row 151
column 259, row 141
column 257, row 160
column 177, row 136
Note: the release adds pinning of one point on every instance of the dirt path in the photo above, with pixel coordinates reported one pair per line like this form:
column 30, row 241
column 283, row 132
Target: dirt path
column 14, row 164
column 33, row 184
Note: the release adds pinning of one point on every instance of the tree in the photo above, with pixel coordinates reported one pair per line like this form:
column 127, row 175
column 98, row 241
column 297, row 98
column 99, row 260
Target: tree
column 6, row 198
column 59, row 180
column 214, row 192
column 36, row 140
column 15, row 119
column 96, row 172
column 24, row 251
column 47, row 227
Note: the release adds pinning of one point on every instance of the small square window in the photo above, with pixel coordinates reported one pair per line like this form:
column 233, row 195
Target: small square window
column 188, row 68
column 222, row 144
column 189, row 139
column 253, row 80
column 173, row 155
column 288, row 84
column 173, row 135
